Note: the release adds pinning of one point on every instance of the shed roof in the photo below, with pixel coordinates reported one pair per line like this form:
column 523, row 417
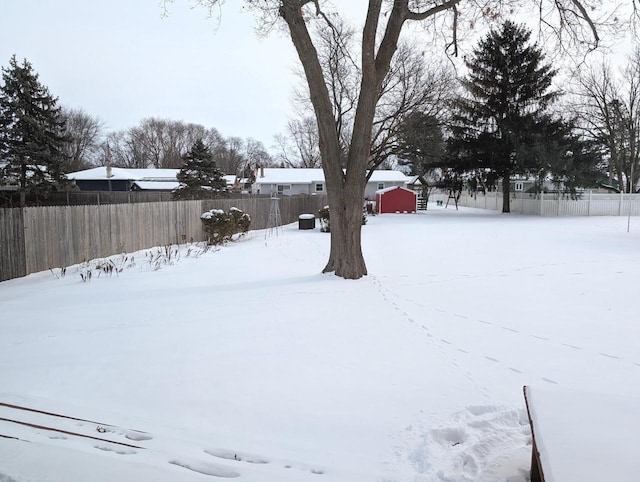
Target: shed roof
column 393, row 188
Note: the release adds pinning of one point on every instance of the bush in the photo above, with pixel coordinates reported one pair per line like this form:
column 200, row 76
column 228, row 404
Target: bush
column 325, row 219
column 323, row 215
column 223, row 226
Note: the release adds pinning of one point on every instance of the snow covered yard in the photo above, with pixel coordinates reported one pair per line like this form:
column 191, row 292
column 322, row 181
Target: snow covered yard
column 248, row 363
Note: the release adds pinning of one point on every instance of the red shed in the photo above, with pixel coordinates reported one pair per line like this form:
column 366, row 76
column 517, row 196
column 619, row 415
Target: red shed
column 396, row 199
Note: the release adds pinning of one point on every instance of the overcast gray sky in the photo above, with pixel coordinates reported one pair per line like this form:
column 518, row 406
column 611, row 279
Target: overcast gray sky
column 122, row 61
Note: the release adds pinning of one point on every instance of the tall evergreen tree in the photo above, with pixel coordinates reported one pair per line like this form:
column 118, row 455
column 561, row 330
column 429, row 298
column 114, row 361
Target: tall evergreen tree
column 32, row 130
column 199, row 177
column 420, row 143
column 502, row 117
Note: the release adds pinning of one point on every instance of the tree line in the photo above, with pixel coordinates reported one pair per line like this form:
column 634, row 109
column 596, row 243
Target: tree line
column 423, row 115
column 41, row 141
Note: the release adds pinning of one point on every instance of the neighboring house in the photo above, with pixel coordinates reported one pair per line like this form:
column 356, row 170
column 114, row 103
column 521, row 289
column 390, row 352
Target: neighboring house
column 521, row 184
column 396, row 200
column 123, row 179
column 292, row 181
column 231, row 181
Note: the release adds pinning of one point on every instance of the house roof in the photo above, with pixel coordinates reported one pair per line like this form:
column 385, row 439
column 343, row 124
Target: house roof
column 309, row 175
column 393, row 188
column 124, row 174
column 289, row 176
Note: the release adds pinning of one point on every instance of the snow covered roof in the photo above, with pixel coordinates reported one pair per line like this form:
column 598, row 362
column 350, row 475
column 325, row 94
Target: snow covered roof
column 230, row 179
column 309, row 175
column 289, row 176
column 124, row 174
column 391, row 188
column 388, row 175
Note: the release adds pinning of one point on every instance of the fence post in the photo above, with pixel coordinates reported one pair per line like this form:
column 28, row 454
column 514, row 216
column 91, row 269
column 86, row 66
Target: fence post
column 541, row 202
column 558, row 207
column 621, row 202
column 589, row 203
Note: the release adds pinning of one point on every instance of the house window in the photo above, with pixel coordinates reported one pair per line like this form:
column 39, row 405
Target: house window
column 519, row 186
column 319, row 187
column 380, row 185
column 283, row 187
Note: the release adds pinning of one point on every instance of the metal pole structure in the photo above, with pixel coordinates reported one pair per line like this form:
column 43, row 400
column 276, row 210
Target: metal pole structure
column 274, row 222
column 631, row 191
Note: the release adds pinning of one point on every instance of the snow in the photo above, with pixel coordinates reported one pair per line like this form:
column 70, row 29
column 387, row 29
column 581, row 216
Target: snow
column 309, row 175
column 585, row 436
column 245, row 362
column 125, row 174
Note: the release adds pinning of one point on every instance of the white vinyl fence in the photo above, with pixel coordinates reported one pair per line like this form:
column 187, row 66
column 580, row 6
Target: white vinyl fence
column 589, row 204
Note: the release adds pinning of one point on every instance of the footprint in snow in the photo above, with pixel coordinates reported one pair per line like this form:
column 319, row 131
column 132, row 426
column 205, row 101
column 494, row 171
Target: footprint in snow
column 117, row 451
column 238, row 456
column 472, row 444
column 205, row 468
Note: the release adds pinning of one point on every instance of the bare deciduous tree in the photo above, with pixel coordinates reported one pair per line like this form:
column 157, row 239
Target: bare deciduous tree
column 158, row 143
column 609, row 109
column 299, row 146
column 85, row 133
column 255, row 155
column 411, row 86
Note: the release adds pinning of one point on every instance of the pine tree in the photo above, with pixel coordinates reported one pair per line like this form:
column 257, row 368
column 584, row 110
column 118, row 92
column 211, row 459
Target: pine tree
column 503, row 116
column 420, row 143
column 199, row 177
column 31, row 131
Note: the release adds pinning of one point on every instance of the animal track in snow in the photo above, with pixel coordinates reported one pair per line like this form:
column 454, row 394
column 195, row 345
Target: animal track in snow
column 575, row 347
column 609, row 356
column 506, row 328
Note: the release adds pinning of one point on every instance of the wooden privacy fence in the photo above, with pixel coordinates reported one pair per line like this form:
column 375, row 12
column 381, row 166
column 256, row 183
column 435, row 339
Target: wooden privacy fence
column 589, row 204
column 39, row 238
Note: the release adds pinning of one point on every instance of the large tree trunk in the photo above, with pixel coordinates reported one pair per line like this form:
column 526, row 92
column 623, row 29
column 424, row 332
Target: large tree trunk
column 506, row 193
column 346, row 258
column 345, row 189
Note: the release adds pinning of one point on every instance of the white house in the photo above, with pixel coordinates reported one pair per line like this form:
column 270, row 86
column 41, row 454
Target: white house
column 291, row 181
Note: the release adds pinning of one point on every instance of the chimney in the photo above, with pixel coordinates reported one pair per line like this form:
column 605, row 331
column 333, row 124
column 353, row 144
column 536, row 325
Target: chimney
column 109, row 173
column 261, row 171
